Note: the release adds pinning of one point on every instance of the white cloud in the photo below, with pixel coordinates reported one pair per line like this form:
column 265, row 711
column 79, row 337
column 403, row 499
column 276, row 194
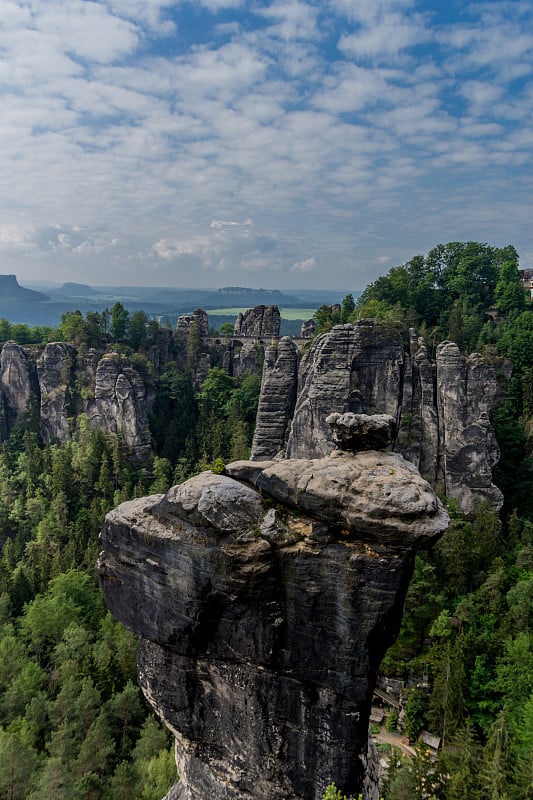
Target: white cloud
column 120, row 130
column 13, row 237
column 291, row 19
column 219, row 224
column 306, row 265
column 386, row 38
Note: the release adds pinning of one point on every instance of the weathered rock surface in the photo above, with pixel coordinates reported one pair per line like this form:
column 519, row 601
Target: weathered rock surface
column 354, row 368
column 466, row 389
column 265, row 599
column 56, row 380
column 196, row 323
column 55, row 371
column 259, row 322
column 276, row 399
column 441, row 408
column 356, row 432
column 120, row 403
column 308, row 328
column 18, row 382
column 246, row 358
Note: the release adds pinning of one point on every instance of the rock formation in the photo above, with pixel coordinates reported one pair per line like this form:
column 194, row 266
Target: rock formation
column 18, row 382
column 246, row 358
column 276, row 399
column 442, row 408
column 261, row 322
column 197, row 322
column 264, row 600
column 120, row 403
column 63, row 384
column 308, row 329
column 55, row 371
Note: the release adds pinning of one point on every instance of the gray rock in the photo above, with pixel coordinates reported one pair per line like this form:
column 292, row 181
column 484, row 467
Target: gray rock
column 202, row 369
column 442, row 408
column 18, row 383
column 263, row 615
column 246, row 358
column 308, row 329
column 276, row 399
column 355, row 368
column 466, row 389
column 362, row 431
column 55, row 368
column 120, row 404
column 260, row 322
column 198, row 322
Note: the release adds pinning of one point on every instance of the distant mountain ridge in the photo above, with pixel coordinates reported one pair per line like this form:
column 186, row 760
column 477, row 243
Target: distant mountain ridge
column 11, row 290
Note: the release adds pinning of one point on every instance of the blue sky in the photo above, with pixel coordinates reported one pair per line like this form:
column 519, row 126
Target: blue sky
column 273, row 143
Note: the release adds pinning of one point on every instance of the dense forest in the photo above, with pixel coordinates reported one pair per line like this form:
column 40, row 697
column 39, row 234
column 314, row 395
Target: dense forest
column 73, row 723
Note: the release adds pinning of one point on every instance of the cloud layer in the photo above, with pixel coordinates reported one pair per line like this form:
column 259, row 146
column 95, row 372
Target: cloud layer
column 267, row 142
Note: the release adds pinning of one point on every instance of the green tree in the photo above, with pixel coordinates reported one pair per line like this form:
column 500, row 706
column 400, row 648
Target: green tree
column 118, row 328
column 348, row 308
column 73, row 328
column 17, row 764
column 226, row 329
column 138, row 330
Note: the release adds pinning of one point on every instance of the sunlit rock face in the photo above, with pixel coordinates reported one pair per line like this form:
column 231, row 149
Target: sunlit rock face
column 265, row 599
column 441, row 407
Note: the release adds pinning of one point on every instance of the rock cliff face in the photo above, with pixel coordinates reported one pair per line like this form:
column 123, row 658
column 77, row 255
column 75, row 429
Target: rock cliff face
column 259, row 322
column 55, row 370
column 276, row 399
column 62, row 384
column 120, row 403
column 442, row 408
column 18, row 382
column 264, row 600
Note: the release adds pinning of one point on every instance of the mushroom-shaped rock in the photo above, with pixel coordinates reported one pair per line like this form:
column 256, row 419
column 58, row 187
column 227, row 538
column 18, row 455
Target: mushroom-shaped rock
column 264, row 605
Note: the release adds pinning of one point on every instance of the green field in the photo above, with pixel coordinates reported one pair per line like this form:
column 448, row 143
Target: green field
column 286, row 313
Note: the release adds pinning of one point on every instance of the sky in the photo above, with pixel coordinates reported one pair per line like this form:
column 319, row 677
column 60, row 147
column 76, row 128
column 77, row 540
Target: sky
column 274, row 143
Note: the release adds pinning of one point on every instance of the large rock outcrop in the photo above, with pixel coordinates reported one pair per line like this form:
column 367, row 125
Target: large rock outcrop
column 18, row 383
column 120, row 403
column 276, row 399
column 55, row 369
column 264, row 600
column 260, row 322
column 61, row 384
column 442, row 407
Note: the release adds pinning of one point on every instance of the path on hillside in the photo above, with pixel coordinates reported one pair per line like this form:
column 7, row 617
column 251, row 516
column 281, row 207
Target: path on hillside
column 394, row 739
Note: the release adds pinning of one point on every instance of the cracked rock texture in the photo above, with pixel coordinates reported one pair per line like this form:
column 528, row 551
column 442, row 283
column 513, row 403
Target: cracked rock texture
column 61, row 384
column 276, row 399
column 264, row 600
column 55, row 369
column 441, row 407
column 259, row 322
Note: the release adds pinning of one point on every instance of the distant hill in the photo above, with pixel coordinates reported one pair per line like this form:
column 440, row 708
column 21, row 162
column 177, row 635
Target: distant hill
column 75, row 290
column 11, row 290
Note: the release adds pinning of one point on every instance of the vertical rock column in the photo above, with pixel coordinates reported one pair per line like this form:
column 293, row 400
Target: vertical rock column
column 466, row 388
column 276, row 399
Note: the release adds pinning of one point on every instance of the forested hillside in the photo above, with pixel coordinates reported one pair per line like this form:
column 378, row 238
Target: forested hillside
column 72, row 721
column 465, row 644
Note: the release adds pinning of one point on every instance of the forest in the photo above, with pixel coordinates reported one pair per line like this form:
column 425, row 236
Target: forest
column 73, row 723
